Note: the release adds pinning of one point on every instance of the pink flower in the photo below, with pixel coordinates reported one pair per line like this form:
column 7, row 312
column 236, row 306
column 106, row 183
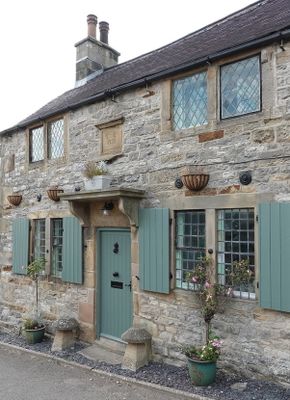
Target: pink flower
column 207, row 285
column 217, row 343
column 194, row 279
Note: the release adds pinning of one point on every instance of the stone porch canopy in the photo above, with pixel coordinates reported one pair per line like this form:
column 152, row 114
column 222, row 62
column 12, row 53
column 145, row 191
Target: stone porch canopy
column 127, row 199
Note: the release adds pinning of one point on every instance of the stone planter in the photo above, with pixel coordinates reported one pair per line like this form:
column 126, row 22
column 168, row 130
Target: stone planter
column 202, row 373
column 98, row 182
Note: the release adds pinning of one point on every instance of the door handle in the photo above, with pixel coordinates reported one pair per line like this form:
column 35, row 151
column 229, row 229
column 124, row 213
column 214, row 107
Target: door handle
column 129, row 285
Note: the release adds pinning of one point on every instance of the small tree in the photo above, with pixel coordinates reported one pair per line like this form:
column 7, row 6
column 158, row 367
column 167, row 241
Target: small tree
column 33, row 271
column 211, row 294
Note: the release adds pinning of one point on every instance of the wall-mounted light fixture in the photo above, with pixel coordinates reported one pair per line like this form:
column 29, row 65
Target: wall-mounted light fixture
column 39, row 197
column 108, row 206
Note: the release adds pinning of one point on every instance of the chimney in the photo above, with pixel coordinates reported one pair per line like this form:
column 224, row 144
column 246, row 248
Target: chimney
column 92, row 21
column 104, row 32
column 93, row 56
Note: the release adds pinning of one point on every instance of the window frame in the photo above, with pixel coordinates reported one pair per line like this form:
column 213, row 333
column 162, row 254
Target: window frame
column 33, row 238
column 180, row 78
column 249, row 295
column 211, row 244
column 46, row 143
column 258, row 55
column 184, row 248
column 54, row 272
column 30, row 144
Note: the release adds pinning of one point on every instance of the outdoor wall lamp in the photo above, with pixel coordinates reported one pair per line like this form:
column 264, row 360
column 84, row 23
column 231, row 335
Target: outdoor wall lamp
column 108, row 206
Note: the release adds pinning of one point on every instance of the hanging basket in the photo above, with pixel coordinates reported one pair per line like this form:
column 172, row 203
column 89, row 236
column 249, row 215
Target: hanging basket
column 14, row 199
column 53, row 193
column 195, row 182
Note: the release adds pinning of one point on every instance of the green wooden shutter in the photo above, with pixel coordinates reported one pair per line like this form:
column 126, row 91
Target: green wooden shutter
column 20, row 246
column 274, row 220
column 72, row 259
column 154, row 249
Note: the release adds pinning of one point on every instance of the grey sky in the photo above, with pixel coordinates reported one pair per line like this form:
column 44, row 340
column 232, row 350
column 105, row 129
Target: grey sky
column 37, row 40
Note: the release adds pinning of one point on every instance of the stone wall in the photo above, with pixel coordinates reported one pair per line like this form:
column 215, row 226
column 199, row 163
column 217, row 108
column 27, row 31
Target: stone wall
column 255, row 341
column 153, row 157
column 17, row 299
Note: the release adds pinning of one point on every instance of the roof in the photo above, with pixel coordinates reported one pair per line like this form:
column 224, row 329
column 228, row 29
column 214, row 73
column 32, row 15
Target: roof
column 261, row 23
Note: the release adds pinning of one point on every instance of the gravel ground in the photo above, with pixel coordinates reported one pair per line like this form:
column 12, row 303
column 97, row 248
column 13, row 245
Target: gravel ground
column 225, row 387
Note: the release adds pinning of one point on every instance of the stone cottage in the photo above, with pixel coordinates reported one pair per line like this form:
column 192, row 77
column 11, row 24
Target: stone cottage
column 196, row 136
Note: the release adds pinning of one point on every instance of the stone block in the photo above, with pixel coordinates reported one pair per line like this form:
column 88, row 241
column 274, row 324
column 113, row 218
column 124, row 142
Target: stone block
column 65, row 334
column 86, row 312
column 206, row 137
column 263, row 136
column 138, row 349
column 63, row 340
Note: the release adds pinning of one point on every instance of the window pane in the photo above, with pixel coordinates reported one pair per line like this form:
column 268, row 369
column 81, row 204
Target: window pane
column 56, row 247
column 36, row 144
column 235, row 243
column 55, row 139
column 190, row 244
column 240, row 87
column 39, row 239
column 189, row 96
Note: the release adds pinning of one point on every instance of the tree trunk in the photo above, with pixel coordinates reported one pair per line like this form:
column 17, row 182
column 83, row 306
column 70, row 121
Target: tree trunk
column 207, row 331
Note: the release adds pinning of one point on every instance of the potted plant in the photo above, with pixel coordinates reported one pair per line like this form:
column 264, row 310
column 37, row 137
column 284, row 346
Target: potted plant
column 96, row 175
column 34, row 329
column 202, row 360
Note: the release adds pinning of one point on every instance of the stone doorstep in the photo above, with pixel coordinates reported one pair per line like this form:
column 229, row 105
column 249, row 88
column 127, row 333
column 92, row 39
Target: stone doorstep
column 109, row 351
column 117, row 346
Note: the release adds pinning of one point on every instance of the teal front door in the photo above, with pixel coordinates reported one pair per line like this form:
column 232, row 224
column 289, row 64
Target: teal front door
column 115, row 282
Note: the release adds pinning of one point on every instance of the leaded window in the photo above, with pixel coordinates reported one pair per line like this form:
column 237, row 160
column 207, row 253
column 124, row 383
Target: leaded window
column 56, row 246
column 190, row 244
column 240, row 87
column 236, row 241
column 189, row 101
column 55, row 135
column 36, row 144
column 39, row 239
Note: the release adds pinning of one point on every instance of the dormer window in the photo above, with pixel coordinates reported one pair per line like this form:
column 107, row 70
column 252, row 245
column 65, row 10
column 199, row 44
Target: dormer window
column 47, row 141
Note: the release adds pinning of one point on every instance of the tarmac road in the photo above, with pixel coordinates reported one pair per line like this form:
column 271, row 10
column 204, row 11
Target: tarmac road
column 25, row 376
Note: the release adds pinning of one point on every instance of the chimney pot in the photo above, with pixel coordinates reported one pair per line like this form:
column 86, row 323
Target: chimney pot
column 92, row 21
column 104, row 31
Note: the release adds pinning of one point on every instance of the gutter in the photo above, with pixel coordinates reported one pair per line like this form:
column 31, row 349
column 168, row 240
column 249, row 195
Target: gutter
column 277, row 36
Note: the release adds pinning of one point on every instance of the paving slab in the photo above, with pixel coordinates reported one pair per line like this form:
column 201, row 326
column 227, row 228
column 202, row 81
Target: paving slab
column 98, row 353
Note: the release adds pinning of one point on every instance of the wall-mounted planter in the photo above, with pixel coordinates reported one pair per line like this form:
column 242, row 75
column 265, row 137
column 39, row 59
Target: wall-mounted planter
column 14, row 199
column 195, row 182
column 53, row 193
column 98, row 182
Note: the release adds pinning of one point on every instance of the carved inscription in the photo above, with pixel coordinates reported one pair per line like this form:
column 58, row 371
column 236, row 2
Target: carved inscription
column 112, row 139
